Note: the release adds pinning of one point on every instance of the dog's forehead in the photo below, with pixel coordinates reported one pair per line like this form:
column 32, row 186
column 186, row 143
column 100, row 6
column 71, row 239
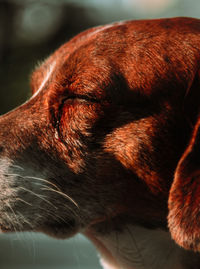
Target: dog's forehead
column 111, row 58
column 62, row 68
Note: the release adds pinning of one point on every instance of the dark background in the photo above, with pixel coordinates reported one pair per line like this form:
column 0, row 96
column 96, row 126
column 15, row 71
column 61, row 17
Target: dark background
column 30, row 30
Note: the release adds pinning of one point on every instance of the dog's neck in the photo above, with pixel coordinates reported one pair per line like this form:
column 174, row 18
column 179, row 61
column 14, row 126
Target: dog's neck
column 136, row 247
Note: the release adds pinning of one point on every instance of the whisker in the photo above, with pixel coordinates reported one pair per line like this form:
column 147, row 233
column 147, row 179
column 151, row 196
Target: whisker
column 32, row 247
column 23, row 219
column 38, row 195
column 14, row 175
column 15, row 216
column 17, row 166
column 43, row 180
column 38, row 216
column 56, row 190
column 11, row 222
column 54, row 216
column 23, row 201
column 62, row 194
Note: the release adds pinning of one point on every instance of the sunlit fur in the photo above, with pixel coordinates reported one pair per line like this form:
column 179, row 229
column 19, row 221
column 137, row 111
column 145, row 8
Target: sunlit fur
column 108, row 145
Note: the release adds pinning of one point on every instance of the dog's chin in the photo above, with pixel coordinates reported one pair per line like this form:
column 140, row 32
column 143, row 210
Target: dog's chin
column 60, row 230
column 56, row 230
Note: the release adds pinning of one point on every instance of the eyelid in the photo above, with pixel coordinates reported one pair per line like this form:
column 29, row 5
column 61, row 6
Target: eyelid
column 83, row 97
column 75, row 97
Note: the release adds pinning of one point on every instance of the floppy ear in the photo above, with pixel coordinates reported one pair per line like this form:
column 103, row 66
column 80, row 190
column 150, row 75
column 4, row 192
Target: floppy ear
column 184, row 197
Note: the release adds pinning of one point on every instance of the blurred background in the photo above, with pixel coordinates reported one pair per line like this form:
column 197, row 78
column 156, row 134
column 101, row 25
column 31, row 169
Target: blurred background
column 30, row 30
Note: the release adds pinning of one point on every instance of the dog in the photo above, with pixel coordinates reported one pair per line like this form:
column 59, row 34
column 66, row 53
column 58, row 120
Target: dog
column 108, row 145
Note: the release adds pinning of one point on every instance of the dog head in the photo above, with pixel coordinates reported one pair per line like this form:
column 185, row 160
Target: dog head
column 54, row 173
column 103, row 133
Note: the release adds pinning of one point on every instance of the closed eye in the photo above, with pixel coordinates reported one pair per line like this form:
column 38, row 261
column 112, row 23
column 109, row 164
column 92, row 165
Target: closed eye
column 84, row 98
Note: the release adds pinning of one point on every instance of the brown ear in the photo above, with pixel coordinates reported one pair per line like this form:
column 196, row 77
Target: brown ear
column 184, row 197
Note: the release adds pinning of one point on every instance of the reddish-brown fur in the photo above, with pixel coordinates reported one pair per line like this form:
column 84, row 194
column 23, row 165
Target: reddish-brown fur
column 116, row 127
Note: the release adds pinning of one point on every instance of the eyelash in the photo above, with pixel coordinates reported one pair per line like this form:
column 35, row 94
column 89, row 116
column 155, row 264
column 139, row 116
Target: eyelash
column 82, row 97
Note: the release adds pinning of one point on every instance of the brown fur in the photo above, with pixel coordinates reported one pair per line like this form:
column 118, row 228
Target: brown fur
column 115, row 127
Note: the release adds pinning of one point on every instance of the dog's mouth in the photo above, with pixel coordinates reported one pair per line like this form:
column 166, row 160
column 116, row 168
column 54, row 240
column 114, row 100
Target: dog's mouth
column 58, row 224
column 34, row 203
